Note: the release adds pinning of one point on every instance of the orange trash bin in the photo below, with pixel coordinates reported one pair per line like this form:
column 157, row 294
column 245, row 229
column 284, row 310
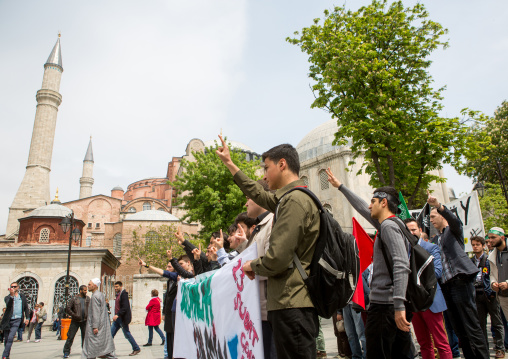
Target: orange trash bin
column 66, row 323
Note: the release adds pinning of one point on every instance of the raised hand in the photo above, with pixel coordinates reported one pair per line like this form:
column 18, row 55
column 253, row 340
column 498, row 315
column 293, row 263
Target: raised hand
column 332, row 179
column 223, row 152
column 141, row 262
column 431, row 200
column 169, row 253
column 240, row 235
column 179, row 236
column 213, row 253
column 197, row 252
column 219, row 242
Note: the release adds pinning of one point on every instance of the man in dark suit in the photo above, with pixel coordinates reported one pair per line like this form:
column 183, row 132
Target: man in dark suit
column 16, row 312
column 123, row 317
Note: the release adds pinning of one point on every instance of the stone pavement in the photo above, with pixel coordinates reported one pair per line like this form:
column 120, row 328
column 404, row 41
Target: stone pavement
column 50, row 347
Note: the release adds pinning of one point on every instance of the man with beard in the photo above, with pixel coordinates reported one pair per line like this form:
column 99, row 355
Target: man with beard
column 498, row 260
column 98, row 339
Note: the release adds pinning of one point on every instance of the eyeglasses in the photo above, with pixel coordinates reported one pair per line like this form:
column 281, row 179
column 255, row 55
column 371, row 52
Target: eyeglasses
column 14, row 286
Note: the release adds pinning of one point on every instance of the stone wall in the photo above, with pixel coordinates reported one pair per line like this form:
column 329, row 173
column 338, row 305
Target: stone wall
column 142, row 288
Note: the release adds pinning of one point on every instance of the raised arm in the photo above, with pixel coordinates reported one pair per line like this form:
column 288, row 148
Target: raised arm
column 179, row 269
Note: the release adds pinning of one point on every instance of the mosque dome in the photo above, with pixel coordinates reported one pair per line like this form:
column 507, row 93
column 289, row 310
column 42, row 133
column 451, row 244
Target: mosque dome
column 117, row 188
column 51, row 210
column 319, row 141
column 152, row 215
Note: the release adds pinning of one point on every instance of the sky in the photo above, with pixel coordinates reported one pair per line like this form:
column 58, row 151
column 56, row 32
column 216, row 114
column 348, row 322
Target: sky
column 145, row 77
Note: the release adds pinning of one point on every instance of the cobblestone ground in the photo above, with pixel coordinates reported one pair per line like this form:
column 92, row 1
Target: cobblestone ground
column 50, row 347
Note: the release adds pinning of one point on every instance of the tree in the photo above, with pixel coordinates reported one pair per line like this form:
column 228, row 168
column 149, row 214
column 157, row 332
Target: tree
column 494, row 208
column 370, row 69
column 486, row 168
column 152, row 246
column 209, row 194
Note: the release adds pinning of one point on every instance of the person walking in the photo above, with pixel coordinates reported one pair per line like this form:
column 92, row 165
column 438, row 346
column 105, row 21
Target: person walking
column 41, row 318
column 77, row 309
column 153, row 318
column 33, row 322
column 123, row 316
column 16, row 311
column 98, row 340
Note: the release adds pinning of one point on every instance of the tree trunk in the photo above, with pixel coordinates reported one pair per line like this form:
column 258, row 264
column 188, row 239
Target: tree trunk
column 375, row 158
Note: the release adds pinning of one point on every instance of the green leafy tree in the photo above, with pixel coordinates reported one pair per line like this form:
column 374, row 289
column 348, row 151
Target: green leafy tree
column 486, row 168
column 370, row 72
column 152, row 245
column 209, row 194
column 494, row 207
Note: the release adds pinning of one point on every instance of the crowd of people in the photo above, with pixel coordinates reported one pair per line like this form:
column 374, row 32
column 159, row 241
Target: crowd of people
column 283, row 224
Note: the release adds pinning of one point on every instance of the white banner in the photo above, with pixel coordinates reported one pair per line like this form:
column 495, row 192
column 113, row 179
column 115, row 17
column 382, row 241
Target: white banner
column 467, row 208
column 218, row 314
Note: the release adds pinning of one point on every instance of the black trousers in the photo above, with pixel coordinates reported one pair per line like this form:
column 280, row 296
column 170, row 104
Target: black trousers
column 384, row 339
column 459, row 294
column 73, row 329
column 490, row 306
column 294, row 331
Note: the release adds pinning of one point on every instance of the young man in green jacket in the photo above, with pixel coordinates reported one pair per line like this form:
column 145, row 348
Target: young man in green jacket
column 290, row 310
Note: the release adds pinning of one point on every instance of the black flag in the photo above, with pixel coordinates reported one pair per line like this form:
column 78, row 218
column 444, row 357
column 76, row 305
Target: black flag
column 424, row 222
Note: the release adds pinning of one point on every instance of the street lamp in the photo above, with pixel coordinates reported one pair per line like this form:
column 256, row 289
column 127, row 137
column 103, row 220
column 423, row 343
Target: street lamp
column 480, row 188
column 67, row 225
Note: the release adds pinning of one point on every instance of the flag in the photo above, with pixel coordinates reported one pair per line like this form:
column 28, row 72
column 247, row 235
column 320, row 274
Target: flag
column 365, row 252
column 404, row 212
column 424, row 219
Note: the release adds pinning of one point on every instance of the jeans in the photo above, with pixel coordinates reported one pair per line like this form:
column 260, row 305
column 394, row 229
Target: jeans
column 320, row 340
column 294, row 332
column 9, row 336
column 490, row 306
column 115, row 327
column 459, row 294
column 38, row 328
column 168, row 337
column 21, row 329
column 355, row 331
column 73, row 329
column 31, row 327
column 426, row 324
column 150, row 333
column 384, row 339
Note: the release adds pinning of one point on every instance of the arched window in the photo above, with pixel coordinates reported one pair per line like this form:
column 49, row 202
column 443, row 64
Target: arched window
column 147, row 206
column 30, row 288
column 59, row 297
column 328, row 208
column 132, row 210
column 305, row 180
column 323, row 180
column 44, row 235
column 150, row 237
column 117, row 245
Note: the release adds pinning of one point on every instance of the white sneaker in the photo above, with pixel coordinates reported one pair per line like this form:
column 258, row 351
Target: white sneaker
column 28, row 341
column 37, row 340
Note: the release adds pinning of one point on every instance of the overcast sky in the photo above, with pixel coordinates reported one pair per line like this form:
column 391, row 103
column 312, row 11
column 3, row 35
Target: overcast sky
column 145, row 77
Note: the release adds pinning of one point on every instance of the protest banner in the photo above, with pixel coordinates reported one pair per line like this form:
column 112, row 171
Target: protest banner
column 467, row 208
column 218, row 314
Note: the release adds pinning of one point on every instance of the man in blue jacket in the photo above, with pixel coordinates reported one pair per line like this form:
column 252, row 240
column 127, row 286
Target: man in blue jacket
column 430, row 321
column 486, row 301
column 457, row 281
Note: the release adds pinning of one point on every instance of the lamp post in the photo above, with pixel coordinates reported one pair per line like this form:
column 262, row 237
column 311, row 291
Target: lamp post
column 480, row 188
column 67, row 225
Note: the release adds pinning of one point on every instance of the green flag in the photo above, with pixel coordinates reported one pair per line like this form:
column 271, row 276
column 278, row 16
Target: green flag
column 404, row 212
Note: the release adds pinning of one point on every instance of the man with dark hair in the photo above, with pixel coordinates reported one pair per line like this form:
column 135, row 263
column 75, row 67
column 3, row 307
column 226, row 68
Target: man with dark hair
column 291, row 313
column 123, row 317
column 457, row 280
column 430, row 322
column 486, row 301
column 16, row 312
column 77, row 309
column 239, row 233
column 388, row 323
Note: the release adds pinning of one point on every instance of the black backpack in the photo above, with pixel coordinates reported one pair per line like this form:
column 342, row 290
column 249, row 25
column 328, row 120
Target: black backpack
column 422, row 281
column 335, row 266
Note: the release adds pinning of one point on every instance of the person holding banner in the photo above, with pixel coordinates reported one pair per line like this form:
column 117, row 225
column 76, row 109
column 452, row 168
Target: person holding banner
column 291, row 313
column 457, row 280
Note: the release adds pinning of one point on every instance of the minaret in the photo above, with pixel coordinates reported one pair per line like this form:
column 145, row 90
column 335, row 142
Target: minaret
column 86, row 181
column 34, row 189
